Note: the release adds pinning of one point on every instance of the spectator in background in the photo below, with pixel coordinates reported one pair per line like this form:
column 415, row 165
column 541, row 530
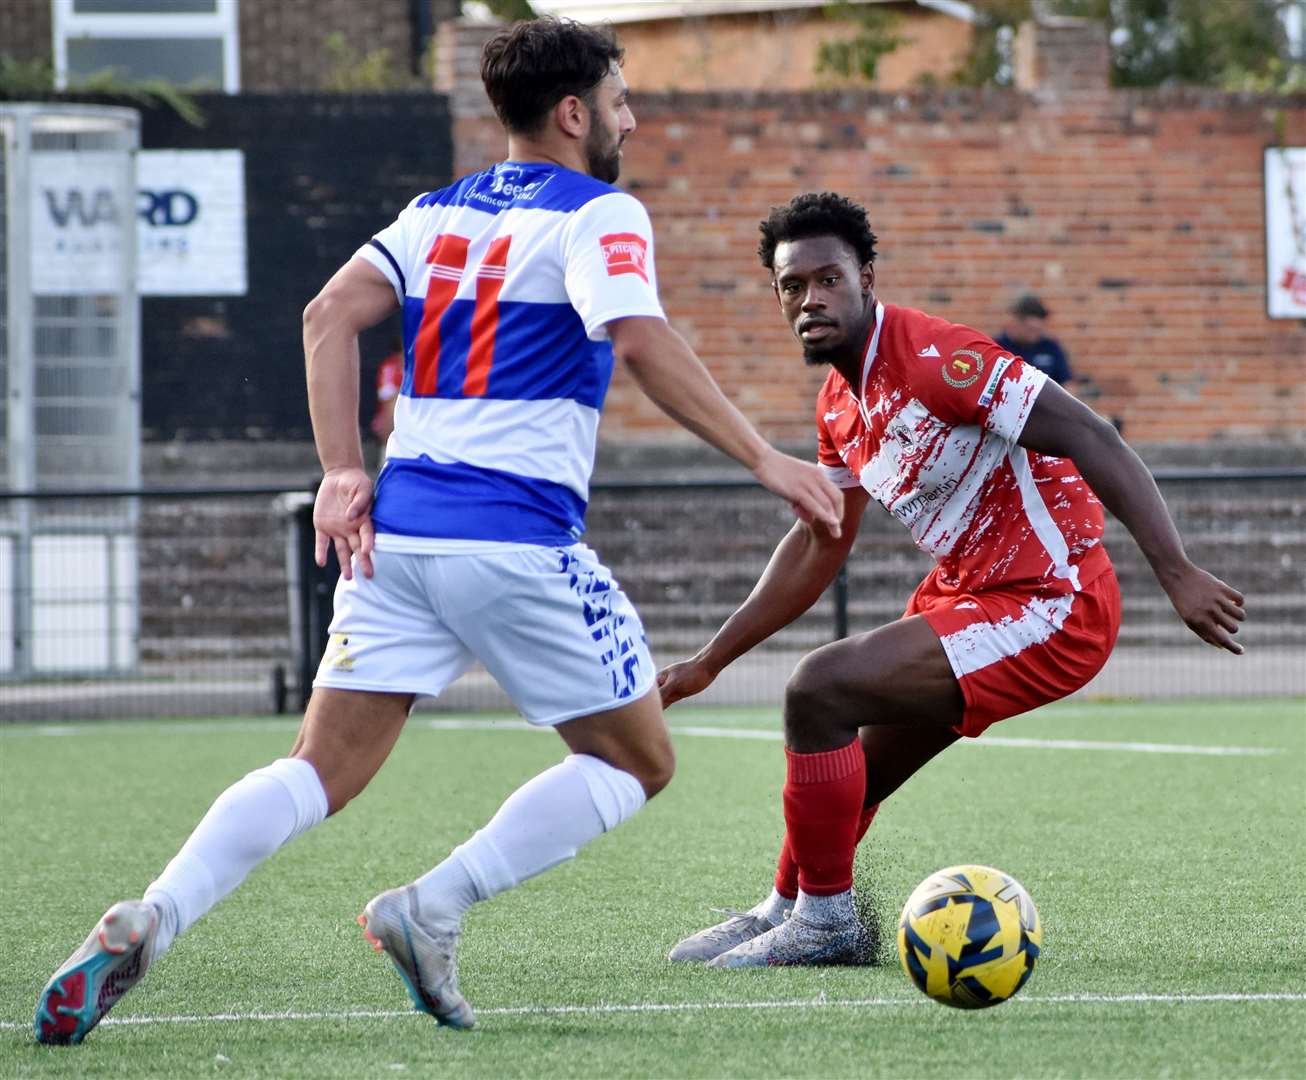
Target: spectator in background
column 389, row 380
column 1026, row 335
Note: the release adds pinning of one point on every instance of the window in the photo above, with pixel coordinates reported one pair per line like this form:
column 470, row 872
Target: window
column 193, row 43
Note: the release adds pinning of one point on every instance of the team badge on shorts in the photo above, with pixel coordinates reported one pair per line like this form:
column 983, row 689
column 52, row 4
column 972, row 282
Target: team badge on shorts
column 338, row 657
column 963, row 368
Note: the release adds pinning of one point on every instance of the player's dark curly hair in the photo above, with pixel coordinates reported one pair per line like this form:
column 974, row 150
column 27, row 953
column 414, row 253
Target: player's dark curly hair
column 823, row 214
column 527, row 68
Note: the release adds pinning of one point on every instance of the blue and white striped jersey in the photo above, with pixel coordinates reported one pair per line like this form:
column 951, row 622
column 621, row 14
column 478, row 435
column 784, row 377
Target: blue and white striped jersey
column 507, row 280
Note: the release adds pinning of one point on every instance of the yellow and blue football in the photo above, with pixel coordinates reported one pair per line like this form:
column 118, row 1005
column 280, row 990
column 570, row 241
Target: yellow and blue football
column 969, row 936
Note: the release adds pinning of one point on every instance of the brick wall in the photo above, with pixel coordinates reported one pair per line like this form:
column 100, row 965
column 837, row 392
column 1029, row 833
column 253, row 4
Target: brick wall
column 1137, row 216
column 778, row 50
column 25, row 30
column 281, row 41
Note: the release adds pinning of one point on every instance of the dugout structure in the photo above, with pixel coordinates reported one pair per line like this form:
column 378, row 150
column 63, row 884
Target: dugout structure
column 70, row 377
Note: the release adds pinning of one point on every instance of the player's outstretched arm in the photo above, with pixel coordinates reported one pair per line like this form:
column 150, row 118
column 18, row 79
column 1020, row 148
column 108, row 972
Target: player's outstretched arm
column 1059, row 424
column 357, row 297
column 800, row 570
column 674, row 378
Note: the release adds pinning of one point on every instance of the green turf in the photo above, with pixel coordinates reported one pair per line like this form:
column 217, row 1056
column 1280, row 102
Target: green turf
column 1155, row 874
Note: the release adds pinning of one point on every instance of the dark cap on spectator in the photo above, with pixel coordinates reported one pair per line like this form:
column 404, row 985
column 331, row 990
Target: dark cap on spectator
column 1028, row 306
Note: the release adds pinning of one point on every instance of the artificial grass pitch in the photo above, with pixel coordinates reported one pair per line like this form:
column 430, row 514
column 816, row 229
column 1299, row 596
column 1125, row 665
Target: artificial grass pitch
column 1174, row 944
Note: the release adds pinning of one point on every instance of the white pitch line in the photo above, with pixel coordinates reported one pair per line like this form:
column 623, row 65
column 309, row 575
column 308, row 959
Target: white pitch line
column 692, row 730
column 771, row 735
column 1130, row 747
column 611, row 1009
column 191, row 727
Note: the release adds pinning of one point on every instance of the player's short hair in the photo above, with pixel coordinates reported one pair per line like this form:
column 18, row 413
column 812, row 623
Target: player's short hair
column 529, row 67
column 823, row 214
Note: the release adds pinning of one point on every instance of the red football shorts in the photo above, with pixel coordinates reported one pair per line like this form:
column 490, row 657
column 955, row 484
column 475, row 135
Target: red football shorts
column 1013, row 650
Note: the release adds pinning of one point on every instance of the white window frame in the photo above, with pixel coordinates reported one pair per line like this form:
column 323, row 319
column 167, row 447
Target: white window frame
column 222, row 23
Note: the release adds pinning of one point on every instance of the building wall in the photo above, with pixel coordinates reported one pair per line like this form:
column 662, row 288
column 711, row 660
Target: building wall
column 779, row 50
column 1137, row 216
column 282, row 41
column 26, row 30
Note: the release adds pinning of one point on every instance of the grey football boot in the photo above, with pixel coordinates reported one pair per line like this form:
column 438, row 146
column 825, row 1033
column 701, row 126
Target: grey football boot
column 821, row 930
column 89, row 983
column 425, row 957
column 739, row 927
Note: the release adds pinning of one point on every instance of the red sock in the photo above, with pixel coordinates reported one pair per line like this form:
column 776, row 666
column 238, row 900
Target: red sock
column 786, row 872
column 823, row 798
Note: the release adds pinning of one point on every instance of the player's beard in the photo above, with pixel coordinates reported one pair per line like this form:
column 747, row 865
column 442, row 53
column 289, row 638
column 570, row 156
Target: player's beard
column 603, row 154
column 826, row 352
column 820, row 352
column 818, row 355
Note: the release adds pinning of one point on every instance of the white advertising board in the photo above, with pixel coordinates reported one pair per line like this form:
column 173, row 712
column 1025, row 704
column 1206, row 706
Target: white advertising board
column 190, row 225
column 1285, row 232
column 80, row 214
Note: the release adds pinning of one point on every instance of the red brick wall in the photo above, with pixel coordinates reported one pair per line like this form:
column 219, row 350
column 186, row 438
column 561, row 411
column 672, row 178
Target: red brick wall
column 26, row 29
column 281, row 41
column 1138, row 217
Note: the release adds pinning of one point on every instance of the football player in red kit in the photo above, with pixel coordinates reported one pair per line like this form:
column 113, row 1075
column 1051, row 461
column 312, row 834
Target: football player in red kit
column 1001, row 476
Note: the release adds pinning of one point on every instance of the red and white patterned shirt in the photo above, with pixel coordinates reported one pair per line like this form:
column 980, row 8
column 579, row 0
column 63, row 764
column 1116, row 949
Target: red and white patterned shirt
column 932, row 437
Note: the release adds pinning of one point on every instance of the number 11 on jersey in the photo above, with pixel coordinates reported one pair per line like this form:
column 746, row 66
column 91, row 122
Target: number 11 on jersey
column 448, row 260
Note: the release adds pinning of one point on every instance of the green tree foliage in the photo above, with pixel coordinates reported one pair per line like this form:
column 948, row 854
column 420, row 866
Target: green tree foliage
column 511, row 10
column 989, row 59
column 35, row 78
column 350, row 71
column 1234, row 44
column 858, row 57
column 1188, row 42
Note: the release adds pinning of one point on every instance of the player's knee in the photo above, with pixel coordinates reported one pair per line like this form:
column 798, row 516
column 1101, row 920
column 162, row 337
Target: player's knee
column 340, row 788
column 810, row 691
column 656, row 772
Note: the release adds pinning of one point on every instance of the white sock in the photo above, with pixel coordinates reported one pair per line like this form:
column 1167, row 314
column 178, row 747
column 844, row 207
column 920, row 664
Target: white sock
column 249, row 821
column 775, row 908
column 543, row 823
column 825, row 910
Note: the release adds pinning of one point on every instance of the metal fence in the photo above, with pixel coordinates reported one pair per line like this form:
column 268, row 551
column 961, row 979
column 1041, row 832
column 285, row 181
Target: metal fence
column 211, row 605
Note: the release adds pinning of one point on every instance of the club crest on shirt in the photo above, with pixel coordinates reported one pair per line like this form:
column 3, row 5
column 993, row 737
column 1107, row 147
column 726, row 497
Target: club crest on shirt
column 625, row 253
column 963, row 368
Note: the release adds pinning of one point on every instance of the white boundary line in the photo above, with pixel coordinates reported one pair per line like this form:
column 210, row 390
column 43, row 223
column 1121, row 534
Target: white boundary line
column 821, row 1002
column 693, row 730
column 771, row 735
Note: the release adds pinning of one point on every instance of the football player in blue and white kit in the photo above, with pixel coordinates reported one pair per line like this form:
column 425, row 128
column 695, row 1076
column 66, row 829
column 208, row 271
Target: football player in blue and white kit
column 518, row 287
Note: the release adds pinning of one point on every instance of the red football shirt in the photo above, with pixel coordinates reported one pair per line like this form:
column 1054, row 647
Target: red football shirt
column 931, row 434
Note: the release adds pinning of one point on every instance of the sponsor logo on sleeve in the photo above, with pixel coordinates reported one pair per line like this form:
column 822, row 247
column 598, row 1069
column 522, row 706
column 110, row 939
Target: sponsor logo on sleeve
column 991, row 387
column 625, row 253
column 963, row 368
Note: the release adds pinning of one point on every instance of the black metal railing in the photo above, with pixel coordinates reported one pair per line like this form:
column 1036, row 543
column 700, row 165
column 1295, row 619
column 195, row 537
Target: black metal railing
column 183, row 601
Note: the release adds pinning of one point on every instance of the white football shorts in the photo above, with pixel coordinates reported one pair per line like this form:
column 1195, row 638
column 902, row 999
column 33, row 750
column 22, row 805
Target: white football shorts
column 551, row 626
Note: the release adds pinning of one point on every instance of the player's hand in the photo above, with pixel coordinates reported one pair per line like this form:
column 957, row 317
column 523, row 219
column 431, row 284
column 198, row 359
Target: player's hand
column 342, row 516
column 682, row 680
column 805, row 487
column 1211, row 608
